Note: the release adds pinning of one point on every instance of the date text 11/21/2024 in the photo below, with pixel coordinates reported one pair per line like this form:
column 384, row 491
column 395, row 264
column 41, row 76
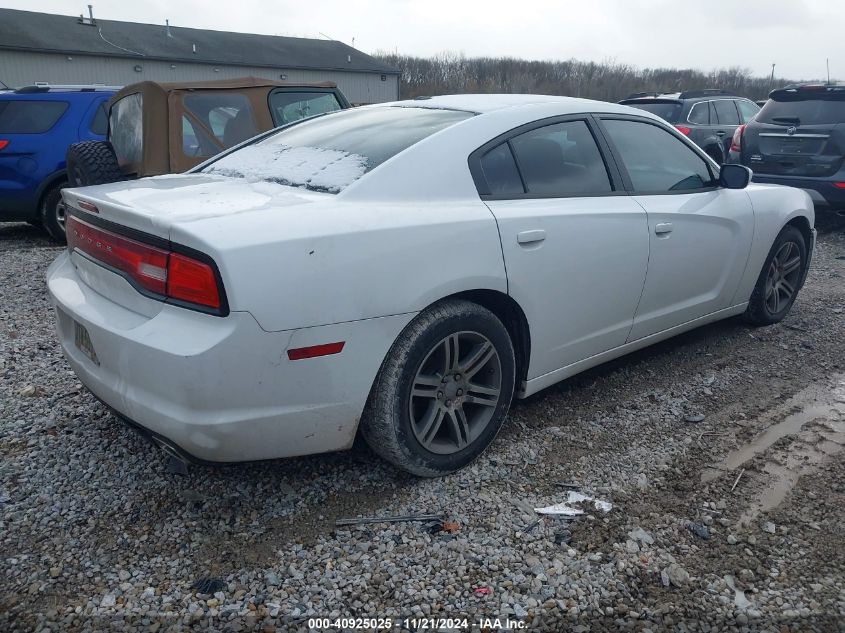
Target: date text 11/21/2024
column 416, row 624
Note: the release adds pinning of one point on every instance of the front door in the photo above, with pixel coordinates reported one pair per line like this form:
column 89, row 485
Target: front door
column 699, row 234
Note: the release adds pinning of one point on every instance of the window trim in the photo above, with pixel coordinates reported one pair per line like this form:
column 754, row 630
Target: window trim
column 474, row 161
column 706, row 104
column 620, row 165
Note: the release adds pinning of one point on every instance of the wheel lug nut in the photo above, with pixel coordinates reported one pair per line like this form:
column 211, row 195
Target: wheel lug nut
column 448, row 403
column 460, row 392
column 439, row 395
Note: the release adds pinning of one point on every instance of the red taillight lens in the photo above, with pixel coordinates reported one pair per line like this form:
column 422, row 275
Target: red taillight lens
column 192, row 281
column 683, row 129
column 3, row 143
column 145, row 265
column 157, row 270
column 839, row 185
column 736, row 140
column 327, row 349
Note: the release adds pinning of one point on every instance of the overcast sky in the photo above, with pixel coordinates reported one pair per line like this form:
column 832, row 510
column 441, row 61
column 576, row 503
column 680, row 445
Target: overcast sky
column 797, row 35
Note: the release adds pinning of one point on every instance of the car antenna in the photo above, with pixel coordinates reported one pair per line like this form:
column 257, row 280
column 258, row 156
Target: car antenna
column 828, row 70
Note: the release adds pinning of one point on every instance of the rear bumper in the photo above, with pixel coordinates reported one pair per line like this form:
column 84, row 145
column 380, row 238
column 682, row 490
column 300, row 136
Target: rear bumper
column 821, row 190
column 220, row 389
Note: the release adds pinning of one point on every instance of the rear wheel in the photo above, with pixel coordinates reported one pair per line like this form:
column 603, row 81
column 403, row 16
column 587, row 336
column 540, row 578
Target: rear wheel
column 52, row 213
column 92, row 163
column 443, row 391
column 780, row 280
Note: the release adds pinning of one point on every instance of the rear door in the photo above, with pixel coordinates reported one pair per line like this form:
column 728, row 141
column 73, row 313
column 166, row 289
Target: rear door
column 699, row 234
column 727, row 120
column 575, row 244
column 798, row 132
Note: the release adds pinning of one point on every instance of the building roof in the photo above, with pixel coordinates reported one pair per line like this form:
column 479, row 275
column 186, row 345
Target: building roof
column 49, row 33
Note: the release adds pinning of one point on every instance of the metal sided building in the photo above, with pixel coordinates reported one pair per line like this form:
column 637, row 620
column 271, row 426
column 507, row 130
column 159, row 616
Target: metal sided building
column 61, row 49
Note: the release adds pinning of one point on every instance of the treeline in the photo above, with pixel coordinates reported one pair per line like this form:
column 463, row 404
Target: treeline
column 453, row 73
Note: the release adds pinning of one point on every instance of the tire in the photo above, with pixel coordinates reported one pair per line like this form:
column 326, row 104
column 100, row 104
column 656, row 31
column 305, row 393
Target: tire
column 784, row 270
column 92, row 163
column 462, row 424
column 51, row 213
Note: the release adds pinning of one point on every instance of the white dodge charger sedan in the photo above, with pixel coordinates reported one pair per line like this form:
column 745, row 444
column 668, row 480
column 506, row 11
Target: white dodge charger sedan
column 403, row 270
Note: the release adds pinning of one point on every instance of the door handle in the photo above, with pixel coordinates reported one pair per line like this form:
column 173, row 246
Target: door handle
column 531, row 237
column 721, row 133
column 663, row 228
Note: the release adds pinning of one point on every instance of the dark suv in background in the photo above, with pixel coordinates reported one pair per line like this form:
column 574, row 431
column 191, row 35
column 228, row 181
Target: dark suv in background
column 709, row 117
column 798, row 139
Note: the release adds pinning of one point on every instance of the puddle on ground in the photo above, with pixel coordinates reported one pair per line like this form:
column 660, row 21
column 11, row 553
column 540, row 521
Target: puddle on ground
column 817, row 429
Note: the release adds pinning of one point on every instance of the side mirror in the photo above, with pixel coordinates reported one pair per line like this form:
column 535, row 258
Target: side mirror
column 735, row 176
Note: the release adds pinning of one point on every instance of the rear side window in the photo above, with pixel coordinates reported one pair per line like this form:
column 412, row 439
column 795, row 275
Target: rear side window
column 288, row 107
column 747, row 110
column 804, row 111
column 126, row 131
column 726, row 112
column 700, row 113
column 100, row 122
column 500, row 171
column 329, row 153
column 657, row 161
column 561, row 160
column 226, row 117
column 30, row 117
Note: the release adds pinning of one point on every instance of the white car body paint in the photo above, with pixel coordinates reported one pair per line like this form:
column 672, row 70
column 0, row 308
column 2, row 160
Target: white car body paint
column 303, row 268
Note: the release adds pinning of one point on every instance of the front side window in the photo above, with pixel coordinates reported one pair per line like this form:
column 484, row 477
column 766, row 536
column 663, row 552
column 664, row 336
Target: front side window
column 726, row 112
column 29, row 117
column 331, row 152
column 288, row 107
column 561, row 160
column 747, row 110
column 225, row 117
column 656, row 160
column 126, row 129
column 700, row 113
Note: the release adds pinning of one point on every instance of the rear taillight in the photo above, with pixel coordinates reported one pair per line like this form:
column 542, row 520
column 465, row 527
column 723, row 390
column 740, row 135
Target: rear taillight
column 736, row 140
column 3, row 143
column 683, row 129
column 192, row 281
column 158, row 271
column 839, row 185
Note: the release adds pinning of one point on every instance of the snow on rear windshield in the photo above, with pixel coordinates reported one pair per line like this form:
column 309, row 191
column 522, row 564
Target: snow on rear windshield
column 331, row 152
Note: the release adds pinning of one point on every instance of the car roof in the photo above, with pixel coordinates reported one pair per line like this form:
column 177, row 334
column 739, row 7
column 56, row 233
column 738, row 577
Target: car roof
column 488, row 103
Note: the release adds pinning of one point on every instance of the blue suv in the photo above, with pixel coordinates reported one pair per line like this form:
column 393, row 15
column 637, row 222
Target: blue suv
column 37, row 124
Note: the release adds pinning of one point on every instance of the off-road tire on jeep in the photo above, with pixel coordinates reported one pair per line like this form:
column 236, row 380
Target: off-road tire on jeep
column 92, row 163
column 785, row 269
column 452, row 370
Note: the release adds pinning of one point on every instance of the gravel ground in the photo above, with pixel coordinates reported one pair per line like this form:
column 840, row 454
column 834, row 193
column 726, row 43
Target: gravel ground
column 720, row 451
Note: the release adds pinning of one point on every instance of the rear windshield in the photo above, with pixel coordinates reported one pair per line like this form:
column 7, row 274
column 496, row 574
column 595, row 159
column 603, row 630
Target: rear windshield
column 287, row 106
column 802, row 110
column 667, row 111
column 29, row 117
column 331, row 152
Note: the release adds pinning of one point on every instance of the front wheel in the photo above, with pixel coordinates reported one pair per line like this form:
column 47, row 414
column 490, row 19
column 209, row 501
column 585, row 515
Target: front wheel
column 443, row 391
column 780, row 280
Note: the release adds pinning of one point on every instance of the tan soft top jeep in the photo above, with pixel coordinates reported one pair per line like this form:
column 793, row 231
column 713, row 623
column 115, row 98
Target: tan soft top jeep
column 162, row 128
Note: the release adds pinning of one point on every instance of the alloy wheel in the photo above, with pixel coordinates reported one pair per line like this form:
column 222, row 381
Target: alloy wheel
column 455, row 392
column 783, row 277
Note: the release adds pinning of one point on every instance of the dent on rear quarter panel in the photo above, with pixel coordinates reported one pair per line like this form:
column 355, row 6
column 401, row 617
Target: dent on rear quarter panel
column 344, row 262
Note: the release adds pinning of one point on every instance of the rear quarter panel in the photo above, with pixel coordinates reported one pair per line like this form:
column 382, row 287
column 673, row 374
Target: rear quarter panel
column 341, row 262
